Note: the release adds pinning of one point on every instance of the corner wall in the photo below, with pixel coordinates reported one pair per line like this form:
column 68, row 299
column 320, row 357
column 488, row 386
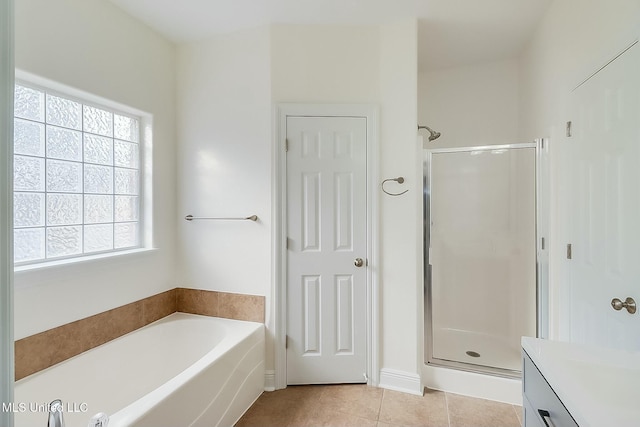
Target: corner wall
column 224, row 157
column 401, row 278
column 224, row 122
column 228, row 86
column 95, row 47
column 573, row 40
column 471, row 105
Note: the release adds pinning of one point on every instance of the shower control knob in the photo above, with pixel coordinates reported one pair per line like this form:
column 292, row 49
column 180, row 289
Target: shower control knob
column 628, row 304
column 359, row 262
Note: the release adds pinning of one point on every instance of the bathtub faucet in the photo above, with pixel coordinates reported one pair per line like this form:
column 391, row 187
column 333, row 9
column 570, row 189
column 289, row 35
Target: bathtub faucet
column 55, row 414
column 99, row 420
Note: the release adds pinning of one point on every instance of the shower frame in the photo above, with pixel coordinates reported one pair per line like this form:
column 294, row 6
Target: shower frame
column 540, row 279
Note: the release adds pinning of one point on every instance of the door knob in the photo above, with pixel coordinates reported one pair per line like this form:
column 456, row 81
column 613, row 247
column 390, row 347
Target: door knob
column 629, row 304
column 359, row 262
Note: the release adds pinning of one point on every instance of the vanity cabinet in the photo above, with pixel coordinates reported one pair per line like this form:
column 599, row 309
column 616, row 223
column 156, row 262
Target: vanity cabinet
column 542, row 407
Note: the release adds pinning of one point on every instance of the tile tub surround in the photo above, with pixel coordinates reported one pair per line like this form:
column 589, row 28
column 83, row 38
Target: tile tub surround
column 221, row 304
column 45, row 349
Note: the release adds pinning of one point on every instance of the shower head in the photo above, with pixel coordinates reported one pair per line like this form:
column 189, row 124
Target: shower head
column 433, row 135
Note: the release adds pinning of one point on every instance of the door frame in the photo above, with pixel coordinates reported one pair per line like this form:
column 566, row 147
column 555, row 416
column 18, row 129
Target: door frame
column 279, row 229
column 6, row 211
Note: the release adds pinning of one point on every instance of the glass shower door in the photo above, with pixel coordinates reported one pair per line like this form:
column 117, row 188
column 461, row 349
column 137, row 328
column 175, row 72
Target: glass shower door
column 482, row 255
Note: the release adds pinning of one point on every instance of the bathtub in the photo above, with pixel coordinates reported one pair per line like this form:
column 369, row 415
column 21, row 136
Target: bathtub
column 183, row 370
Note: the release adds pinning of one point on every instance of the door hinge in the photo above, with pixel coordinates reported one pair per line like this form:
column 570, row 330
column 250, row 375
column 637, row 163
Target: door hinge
column 286, row 145
column 569, row 129
column 569, row 251
column 542, row 242
column 286, row 341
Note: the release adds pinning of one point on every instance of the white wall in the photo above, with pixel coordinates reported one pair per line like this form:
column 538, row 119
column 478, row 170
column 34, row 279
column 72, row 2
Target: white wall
column 574, row 39
column 227, row 86
column 400, row 217
column 224, row 110
column 224, row 156
column 325, row 64
column 472, row 105
column 94, row 47
column 360, row 64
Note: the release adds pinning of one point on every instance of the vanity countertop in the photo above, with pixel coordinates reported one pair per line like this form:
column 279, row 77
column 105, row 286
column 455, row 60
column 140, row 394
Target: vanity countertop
column 598, row 386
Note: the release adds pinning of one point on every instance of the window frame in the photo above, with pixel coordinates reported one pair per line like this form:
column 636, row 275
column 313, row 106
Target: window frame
column 144, row 142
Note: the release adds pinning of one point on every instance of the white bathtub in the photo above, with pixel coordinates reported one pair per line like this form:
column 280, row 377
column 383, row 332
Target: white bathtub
column 183, row 370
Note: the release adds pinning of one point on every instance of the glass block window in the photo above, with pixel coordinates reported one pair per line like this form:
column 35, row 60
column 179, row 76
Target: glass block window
column 76, row 177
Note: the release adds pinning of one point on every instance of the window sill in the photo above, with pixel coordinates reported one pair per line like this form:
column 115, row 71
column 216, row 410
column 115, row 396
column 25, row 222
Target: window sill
column 81, row 260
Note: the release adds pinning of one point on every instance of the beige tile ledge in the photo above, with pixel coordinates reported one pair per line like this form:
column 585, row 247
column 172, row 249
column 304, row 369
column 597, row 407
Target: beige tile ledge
column 45, row 349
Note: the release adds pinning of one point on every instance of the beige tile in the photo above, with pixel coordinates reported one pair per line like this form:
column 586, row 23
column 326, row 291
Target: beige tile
column 47, row 348
column 305, row 411
column 297, row 393
column 125, row 319
column 67, row 341
column 465, row 411
column 158, row 306
column 519, row 413
column 353, row 399
column 325, row 417
column 276, row 413
column 114, row 323
column 409, row 410
column 293, row 406
column 104, row 327
column 241, row 307
column 302, row 407
column 32, row 354
column 197, row 301
column 95, row 330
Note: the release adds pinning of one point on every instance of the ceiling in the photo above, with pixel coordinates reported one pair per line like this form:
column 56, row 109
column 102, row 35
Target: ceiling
column 451, row 32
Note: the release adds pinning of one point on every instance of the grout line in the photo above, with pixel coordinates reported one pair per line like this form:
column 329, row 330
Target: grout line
column 380, row 407
column 446, row 404
column 518, row 415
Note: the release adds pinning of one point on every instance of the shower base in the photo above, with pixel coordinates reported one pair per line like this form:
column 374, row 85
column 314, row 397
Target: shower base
column 477, row 349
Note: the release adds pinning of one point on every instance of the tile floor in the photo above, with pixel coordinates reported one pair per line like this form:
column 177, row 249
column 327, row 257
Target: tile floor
column 362, row 406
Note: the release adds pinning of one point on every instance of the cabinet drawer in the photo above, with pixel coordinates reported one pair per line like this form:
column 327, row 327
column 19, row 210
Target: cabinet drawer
column 542, row 399
column 531, row 417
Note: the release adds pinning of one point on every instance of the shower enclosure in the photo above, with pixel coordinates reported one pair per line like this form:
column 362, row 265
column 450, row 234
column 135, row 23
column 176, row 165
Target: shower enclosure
column 480, row 256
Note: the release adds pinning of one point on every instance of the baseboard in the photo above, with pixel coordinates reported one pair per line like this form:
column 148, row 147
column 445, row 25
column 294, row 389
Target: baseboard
column 269, row 380
column 507, row 390
column 405, row 382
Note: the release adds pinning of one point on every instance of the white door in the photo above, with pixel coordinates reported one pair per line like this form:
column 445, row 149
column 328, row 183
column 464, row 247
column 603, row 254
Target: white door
column 605, row 255
column 327, row 223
